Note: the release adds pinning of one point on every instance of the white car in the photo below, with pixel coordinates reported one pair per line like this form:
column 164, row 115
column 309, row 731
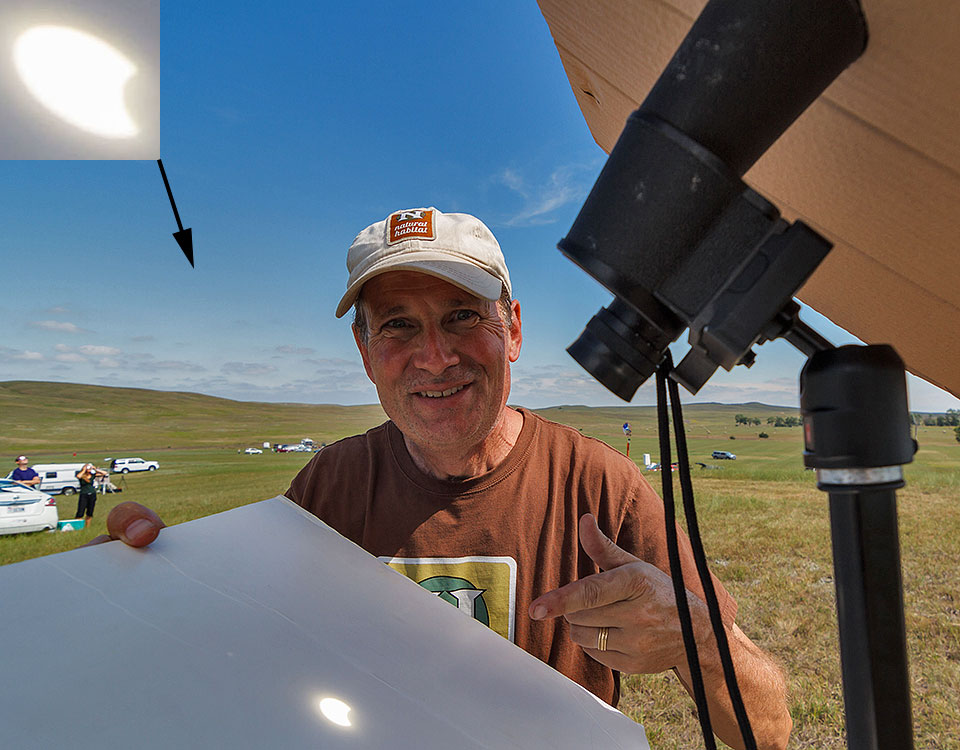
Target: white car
column 125, row 465
column 25, row 509
column 251, row 451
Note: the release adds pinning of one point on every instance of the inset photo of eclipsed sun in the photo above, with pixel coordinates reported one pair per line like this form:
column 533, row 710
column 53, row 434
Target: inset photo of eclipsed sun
column 80, row 80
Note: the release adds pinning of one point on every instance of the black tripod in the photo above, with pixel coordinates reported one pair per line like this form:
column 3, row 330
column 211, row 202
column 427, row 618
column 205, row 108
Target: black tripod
column 857, row 437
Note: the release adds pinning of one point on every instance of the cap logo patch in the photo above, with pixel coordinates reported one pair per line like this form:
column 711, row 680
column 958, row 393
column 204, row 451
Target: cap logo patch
column 408, row 225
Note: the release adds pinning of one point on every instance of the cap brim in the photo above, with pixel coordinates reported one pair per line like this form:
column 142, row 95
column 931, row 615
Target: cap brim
column 467, row 276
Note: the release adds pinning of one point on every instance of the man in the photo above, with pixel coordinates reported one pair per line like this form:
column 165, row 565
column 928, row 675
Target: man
column 492, row 507
column 24, row 474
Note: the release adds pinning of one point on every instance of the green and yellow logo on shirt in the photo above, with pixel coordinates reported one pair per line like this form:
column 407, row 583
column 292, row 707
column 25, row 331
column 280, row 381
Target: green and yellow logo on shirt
column 484, row 588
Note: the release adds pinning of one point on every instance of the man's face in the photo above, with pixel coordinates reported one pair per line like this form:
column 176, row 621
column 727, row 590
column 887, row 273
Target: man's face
column 439, row 356
column 22, row 464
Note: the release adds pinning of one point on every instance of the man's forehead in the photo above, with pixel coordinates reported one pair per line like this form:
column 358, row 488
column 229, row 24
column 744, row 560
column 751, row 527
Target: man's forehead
column 401, row 289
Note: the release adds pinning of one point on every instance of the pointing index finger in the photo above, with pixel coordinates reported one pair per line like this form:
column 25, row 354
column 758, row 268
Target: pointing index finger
column 594, row 591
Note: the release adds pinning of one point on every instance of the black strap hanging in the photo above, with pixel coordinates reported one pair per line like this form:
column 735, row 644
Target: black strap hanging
column 673, row 552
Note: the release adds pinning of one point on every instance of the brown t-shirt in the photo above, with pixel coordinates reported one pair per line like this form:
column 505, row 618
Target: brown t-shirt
column 492, row 544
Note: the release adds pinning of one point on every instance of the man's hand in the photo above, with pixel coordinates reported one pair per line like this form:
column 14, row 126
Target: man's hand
column 132, row 524
column 635, row 600
column 632, row 598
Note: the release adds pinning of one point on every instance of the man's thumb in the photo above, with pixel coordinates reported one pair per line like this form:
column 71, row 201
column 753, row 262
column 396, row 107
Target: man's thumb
column 601, row 549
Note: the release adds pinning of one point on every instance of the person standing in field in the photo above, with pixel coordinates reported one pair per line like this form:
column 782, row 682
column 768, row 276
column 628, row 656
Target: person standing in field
column 88, row 491
column 24, row 474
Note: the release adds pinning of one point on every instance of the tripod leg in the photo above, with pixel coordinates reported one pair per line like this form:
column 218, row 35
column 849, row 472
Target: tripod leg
column 866, row 556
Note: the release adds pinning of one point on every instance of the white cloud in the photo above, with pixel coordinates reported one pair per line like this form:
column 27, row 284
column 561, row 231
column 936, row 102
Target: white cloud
column 112, row 358
column 27, row 355
column 57, row 325
column 99, row 351
column 304, row 351
column 247, row 369
column 168, row 364
column 538, row 386
column 512, row 179
column 566, row 184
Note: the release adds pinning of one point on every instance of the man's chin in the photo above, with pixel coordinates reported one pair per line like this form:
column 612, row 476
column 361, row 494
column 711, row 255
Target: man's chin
column 444, row 428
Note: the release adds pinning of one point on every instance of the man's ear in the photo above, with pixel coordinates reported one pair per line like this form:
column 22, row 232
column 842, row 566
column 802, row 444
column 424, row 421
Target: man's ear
column 363, row 353
column 515, row 334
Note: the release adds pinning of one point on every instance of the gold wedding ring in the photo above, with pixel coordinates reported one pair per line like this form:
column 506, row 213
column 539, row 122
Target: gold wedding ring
column 602, row 639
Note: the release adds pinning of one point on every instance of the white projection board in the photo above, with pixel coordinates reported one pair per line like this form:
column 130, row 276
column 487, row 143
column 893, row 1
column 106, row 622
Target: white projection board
column 262, row 627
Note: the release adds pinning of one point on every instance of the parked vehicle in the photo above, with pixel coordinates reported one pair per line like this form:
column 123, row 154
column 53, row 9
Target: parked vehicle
column 125, row 465
column 724, row 454
column 25, row 509
column 57, row 479
column 251, row 451
column 298, row 448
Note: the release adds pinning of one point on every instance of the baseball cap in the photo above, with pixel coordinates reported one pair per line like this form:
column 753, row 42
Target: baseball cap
column 458, row 248
column 21, row 458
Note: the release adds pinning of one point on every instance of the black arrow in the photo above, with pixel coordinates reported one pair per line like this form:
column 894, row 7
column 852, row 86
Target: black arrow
column 184, row 237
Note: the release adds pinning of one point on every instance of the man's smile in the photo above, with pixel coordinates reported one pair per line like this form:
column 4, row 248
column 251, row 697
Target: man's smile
column 443, row 393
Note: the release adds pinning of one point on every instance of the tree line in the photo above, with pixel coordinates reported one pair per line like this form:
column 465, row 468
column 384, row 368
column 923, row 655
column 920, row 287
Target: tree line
column 950, row 419
column 775, row 421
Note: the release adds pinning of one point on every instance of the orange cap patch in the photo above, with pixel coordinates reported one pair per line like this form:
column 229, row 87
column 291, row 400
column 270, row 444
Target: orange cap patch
column 408, row 225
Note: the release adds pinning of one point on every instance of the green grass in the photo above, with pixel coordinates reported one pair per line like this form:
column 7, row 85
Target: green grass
column 765, row 525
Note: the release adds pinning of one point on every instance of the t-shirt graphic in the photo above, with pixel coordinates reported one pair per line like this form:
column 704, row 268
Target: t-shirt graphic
column 484, row 588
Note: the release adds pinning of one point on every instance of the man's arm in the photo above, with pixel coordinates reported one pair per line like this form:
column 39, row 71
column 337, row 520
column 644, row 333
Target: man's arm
column 635, row 600
column 761, row 682
column 31, row 482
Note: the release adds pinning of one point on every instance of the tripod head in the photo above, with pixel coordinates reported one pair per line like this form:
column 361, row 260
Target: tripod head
column 670, row 227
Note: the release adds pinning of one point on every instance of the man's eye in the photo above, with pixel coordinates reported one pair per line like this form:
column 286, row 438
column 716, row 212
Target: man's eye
column 462, row 315
column 396, row 323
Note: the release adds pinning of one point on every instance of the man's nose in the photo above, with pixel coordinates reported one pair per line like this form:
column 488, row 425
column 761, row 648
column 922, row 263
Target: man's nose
column 436, row 351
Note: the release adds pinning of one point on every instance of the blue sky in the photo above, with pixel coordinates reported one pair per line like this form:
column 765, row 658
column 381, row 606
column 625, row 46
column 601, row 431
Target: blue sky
column 283, row 133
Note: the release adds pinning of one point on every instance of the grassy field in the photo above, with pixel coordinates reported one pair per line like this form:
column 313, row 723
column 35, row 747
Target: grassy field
column 765, row 526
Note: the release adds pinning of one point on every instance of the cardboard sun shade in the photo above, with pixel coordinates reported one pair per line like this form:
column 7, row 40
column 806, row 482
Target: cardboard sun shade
column 262, row 627
column 873, row 164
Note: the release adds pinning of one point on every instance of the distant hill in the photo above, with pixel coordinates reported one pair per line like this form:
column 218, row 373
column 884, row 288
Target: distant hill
column 61, row 416
column 64, row 417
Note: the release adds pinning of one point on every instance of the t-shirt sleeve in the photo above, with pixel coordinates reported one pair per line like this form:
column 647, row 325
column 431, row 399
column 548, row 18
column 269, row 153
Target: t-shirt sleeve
column 324, row 486
column 299, row 489
column 643, row 533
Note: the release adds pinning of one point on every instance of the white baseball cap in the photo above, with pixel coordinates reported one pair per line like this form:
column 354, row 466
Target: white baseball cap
column 458, row 248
